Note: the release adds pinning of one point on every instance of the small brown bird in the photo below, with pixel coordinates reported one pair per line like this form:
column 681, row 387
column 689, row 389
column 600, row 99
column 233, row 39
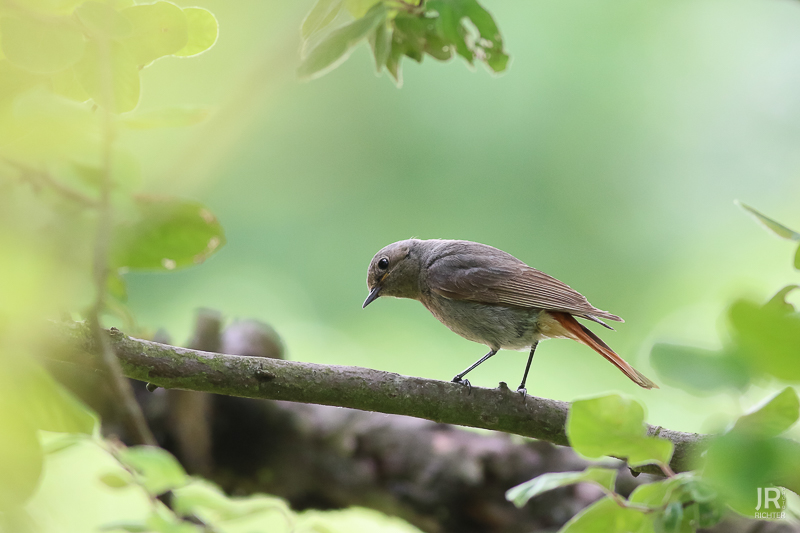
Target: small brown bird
column 489, row 296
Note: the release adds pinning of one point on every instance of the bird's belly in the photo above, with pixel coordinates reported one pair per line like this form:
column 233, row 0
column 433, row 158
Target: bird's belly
column 511, row 328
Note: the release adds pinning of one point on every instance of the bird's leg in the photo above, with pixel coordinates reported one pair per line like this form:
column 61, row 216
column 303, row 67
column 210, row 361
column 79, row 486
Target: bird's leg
column 460, row 377
column 521, row 387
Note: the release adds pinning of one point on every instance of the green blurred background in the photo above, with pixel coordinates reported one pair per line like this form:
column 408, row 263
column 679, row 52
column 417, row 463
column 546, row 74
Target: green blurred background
column 609, row 156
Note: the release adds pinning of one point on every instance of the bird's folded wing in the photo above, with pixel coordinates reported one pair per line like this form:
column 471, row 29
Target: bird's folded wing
column 504, row 280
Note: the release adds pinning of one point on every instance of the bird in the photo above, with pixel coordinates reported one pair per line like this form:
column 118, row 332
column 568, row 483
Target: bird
column 490, row 297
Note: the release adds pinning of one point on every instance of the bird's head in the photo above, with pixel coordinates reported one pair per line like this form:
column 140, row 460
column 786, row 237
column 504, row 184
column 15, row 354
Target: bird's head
column 394, row 271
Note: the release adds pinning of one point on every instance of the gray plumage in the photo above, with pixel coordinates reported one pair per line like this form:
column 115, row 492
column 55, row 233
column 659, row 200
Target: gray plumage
column 488, row 296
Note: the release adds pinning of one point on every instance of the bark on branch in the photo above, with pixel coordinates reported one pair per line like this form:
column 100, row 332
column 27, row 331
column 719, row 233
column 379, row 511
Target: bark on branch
column 498, row 409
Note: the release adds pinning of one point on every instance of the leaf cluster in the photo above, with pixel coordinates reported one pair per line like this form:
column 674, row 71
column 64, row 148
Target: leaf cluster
column 396, row 29
column 739, row 462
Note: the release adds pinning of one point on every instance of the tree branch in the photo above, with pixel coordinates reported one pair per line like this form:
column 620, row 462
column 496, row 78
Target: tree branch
column 358, row 388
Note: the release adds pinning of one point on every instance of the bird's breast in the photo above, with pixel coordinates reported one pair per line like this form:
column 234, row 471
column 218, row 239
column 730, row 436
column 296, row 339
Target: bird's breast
column 497, row 326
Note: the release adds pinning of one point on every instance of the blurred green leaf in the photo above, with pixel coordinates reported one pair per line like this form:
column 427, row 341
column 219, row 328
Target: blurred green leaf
column 613, row 425
column 449, row 23
column 159, row 30
column 669, row 521
column 130, row 527
column 322, row 14
column 167, row 234
column 41, row 45
column 606, row 516
column 204, row 499
column 359, row 8
column 336, row 47
column 116, row 480
column 486, row 46
column 737, row 464
column 30, row 390
column 21, row 456
column 769, row 337
column 776, row 227
column 67, row 84
column 381, row 42
column 655, row 494
column 116, row 287
column 174, row 117
column 119, row 68
column 775, row 416
column 520, row 494
column 701, row 372
column 159, row 471
column 102, row 20
column 779, row 303
column 49, row 406
column 203, row 31
column 61, row 441
column 14, row 80
column 163, row 520
column 697, row 490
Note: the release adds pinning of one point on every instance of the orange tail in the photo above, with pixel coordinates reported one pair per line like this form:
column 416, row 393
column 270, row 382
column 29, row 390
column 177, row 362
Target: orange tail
column 580, row 333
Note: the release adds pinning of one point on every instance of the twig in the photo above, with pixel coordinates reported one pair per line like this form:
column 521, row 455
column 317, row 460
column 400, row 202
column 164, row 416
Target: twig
column 132, row 412
column 359, row 388
column 40, row 177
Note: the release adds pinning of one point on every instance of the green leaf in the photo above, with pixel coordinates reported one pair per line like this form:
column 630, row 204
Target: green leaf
column 40, row 45
column 449, row 25
column 21, row 458
column 337, row 46
column 655, row 494
column 605, row 516
column 62, row 441
column 779, row 303
column 359, row 8
column 157, row 469
column 613, row 425
column 486, row 46
column 775, row 416
column 490, row 41
column 159, row 30
column 116, row 480
column 777, row 228
column 67, row 84
column 520, row 494
column 738, row 464
column 43, row 401
column 701, row 372
column 381, row 42
column 167, row 234
column 203, row 31
column 119, row 68
column 174, row 117
column 130, row 527
column 769, row 338
column 116, row 287
column 707, row 514
column 670, row 520
column 322, row 14
column 204, row 499
column 797, row 259
column 102, row 20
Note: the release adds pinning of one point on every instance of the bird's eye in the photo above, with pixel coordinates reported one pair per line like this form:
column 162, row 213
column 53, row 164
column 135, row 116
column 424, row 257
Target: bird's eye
column 383, row 264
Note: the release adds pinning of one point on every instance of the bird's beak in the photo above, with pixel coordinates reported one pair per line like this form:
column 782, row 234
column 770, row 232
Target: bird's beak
column 373, row 295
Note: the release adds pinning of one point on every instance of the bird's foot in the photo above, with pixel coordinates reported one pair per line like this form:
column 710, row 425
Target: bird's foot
column 523, row 391
column 462, row 381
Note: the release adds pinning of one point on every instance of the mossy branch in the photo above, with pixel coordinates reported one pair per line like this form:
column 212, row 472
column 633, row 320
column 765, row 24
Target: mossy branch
column 499, row 409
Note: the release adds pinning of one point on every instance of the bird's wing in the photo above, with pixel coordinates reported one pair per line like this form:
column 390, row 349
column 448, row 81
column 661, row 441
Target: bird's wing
column 488, row 275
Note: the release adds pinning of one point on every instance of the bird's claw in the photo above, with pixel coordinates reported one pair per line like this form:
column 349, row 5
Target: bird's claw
column 463, row 381
column 523, row 391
